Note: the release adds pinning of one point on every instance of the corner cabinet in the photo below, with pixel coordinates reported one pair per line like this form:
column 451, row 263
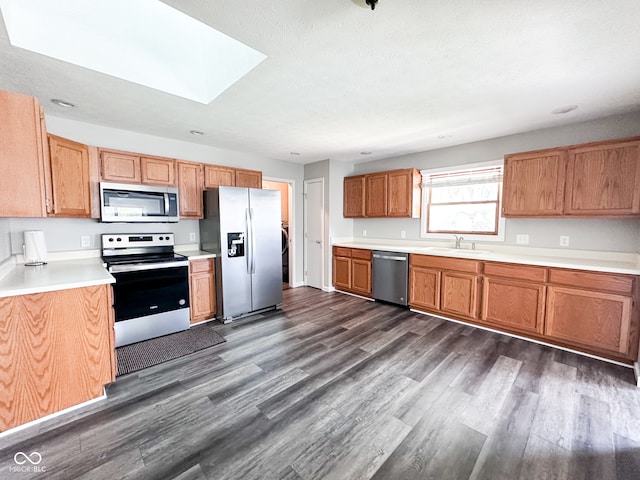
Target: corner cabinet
column 58, row 351
column 202, row 290
column 352, row 270
column 394, row 193
column 600, row 179
column 190, row 189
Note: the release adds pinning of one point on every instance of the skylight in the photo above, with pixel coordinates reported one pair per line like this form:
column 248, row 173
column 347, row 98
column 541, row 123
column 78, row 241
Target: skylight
column 142, row 41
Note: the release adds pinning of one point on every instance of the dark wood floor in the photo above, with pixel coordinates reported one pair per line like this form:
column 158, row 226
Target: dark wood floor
column 337, row 387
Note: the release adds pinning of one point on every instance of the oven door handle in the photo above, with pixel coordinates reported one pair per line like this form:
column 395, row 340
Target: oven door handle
column 146, row 266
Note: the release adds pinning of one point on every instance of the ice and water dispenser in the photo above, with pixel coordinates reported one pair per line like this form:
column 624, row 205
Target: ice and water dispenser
column 235, row 244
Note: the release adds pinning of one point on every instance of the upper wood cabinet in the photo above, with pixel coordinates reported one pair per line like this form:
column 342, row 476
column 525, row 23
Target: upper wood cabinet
column 604, row 179
column 596, row 179
column 190, row 187
column 23, row 154
column 126, row 167
column 394, row 193
column 248, row 178
column 69, row 182
column 353, row 203
column 217, row 176
column 533, row 183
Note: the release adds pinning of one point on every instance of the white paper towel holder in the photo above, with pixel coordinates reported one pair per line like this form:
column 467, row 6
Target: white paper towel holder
column 37, row 247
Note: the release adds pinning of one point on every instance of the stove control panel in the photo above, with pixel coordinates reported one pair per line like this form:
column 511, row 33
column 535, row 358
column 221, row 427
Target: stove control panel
column 128, row 240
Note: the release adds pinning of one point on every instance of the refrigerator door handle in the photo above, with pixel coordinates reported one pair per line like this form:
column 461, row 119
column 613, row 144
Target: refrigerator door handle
column 252, row 241
column 247, row 240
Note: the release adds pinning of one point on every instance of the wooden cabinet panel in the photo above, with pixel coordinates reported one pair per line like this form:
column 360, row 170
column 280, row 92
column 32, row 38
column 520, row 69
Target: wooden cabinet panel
column 158, row 171
column 56, row 351
column 341, row 252
column 248, row 178
column 359, row 253
column 404, row 193
column 513, row 304
column 120, row 166
column 516, row 271
column 361, row 276
column 607, row 282
column 375, row 195
column 604, row 179
column 342, row 272
column 202, row 291
column 446, row 263
column 70, row 189
column 216, row 176
column 23, row 153
column 600, row 321
column 190, row 188
column 353, row 206
column 534, row 183
column 424, row 288
column 459, row 294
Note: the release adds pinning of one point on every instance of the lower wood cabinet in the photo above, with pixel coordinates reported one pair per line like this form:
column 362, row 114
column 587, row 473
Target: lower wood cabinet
column 57, row 351
column 352, row 270
column 202, row 289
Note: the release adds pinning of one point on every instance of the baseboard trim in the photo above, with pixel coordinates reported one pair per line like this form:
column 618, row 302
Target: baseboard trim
column 297, row 284
column 354, row 295
column 328, row 289
column 513, row 335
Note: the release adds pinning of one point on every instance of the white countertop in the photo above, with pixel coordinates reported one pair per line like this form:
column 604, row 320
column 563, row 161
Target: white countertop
column 196, row 254
column 610, row 262
column 55, row 275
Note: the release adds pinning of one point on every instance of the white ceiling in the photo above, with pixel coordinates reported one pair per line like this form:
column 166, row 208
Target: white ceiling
column 340, row 79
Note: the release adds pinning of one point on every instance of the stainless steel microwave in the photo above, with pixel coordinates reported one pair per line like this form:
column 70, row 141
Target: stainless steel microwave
column 121, row 202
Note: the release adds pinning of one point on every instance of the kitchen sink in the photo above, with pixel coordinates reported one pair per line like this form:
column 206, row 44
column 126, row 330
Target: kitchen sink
column 453, row 251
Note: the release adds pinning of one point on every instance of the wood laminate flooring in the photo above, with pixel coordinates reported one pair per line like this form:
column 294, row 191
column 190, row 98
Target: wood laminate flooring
column 337, row 387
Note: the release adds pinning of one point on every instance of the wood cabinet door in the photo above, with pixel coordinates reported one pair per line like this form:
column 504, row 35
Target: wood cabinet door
column 424, row 288
column 190, row 189
column 248, row 178
column 459, row 294
column 604, row 180
column 404, row 193
column 342, row 272
column 70, row 179
column 120, row 167
column 215, row 176
column 375, row 195
column 513, row 304
column 202, row 290
column 600, row 321
column 533, row 183
column 361, row 276
column 158, row 171
column 353, row 201
column 23, row 149
column 56, row 352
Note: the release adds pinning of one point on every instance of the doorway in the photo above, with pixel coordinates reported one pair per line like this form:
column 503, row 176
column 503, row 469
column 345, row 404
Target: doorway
column 285, row 188
column 314, row 232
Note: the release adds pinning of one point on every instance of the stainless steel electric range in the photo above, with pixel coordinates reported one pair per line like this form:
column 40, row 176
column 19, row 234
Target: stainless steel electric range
column 151, row 292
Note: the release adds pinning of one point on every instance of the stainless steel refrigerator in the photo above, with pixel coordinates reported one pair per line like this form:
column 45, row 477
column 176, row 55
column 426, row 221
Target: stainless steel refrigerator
column 242, row 227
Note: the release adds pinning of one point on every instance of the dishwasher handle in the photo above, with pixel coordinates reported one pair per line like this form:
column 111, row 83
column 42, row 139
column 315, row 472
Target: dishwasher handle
column 390, row 257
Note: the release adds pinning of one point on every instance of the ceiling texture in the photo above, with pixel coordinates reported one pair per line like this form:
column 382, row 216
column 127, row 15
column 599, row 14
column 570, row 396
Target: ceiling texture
column 340, row 79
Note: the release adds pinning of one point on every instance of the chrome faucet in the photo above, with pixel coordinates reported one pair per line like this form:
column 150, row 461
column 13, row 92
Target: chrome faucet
column 458, row 240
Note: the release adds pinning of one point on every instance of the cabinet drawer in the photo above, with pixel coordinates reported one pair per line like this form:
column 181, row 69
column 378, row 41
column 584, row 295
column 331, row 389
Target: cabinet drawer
column 341, row 252
column 446, row 263
column 359, row 253
column 594, row 281
column 520, row 272
column 201, row 266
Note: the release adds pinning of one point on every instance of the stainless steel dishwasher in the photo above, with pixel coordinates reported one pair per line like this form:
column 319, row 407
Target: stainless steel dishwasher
column 390, row 276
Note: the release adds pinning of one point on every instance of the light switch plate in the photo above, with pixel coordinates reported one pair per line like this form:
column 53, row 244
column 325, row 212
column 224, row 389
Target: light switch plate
column 403, row 234
column 364, row 233
column 192, row 236
column 85, row 241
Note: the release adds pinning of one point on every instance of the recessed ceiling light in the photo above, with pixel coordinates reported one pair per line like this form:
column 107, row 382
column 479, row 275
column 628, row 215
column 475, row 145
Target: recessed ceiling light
column 197, row 133
column 560, row 110
column 365, row 153
column 294, row 153
column 62, row 103
column 443, row 137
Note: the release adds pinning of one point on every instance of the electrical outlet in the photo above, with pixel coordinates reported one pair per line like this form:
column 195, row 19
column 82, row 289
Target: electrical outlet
column 192, row 236
column 564, row 240
column 403, row 234
column 85, row 241
column 522, row 239
column 364, row 232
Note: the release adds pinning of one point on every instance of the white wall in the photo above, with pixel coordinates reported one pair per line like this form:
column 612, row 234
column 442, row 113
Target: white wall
column 5, row 239
column 620, row 235
column 64, row 234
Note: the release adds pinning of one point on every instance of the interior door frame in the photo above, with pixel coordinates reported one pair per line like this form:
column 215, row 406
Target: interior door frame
column 322, row 230
column 292, row 236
